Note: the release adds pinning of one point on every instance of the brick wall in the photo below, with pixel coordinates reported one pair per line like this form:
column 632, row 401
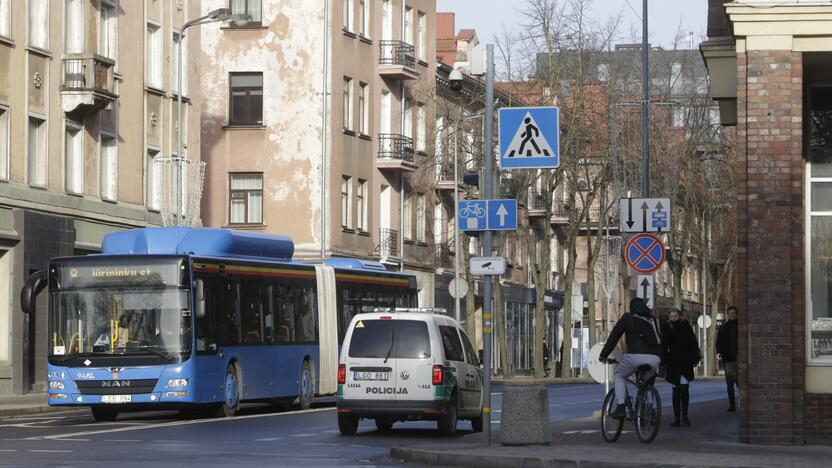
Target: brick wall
column 770, row 256
column 819, row 417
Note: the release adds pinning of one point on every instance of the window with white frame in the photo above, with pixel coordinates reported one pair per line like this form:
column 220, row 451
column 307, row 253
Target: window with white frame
column 153, row 56
column 363, row 109
column 363, row 18
column 346, row 202
column 246, row 198
column 36, row 157
column 109, row 167
column 408, row 117
column 4, row 143
column 39, row 23
column 347, row 104
column 252, row 9
column 74, row 26
column 422, row 46
column 74, row 157
column 407, row 226
column 108, row 29
column 348, row 15
column 175, row 68
column 5, row 19
column 407, row 34
column 421, row 217
column 153, row 178
column 361, row 205
column 421, row 127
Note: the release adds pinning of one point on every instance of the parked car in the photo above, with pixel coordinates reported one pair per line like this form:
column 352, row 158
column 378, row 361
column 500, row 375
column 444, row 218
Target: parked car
column 406, row 365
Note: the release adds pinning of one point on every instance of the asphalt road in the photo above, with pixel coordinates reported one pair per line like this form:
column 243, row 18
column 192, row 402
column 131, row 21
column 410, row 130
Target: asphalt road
column 259, row 435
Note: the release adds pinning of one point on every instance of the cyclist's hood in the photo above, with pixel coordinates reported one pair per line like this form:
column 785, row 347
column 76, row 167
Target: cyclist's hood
column 638, row 307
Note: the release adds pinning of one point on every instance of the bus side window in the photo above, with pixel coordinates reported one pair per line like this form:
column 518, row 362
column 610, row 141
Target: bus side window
column 206, row 329
column 305, row 315
column 228, row 310
column 285, row 307
column 251, row 311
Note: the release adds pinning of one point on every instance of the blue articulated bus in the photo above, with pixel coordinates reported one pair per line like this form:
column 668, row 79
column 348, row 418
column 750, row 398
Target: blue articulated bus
column 199, row 318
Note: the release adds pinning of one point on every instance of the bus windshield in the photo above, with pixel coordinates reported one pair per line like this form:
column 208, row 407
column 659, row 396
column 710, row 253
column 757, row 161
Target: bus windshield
column 127, row 320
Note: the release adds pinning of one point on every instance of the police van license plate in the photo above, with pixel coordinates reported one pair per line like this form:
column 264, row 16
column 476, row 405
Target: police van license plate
column 371, row 376
column 116, row 398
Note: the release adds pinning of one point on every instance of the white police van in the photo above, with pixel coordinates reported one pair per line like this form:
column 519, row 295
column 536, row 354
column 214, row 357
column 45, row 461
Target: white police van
column 405, row 365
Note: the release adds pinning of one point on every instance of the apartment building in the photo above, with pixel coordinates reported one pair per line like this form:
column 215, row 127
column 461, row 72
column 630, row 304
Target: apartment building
column 87, row 102
column 315, row 126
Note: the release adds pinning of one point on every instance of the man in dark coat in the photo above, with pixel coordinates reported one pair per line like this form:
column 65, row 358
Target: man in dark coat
column 680, row 355
column 727, row 342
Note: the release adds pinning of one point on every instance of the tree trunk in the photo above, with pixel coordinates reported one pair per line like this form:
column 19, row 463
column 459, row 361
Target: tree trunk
column 470, row 298
column 590, row 287
column 540, row 309
column 568, row 278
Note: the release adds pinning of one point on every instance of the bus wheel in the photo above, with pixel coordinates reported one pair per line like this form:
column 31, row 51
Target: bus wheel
column 231, row 394
column 306, row 386
column 100, row 413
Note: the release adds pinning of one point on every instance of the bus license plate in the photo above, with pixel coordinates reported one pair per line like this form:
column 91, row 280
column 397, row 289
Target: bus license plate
column 116, row 399
column 371, row 376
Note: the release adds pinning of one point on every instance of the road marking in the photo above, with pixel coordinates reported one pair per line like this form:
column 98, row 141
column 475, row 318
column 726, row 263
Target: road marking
column 8, row 450
column 73, row 440
column 320, row 444
column 121, row 440
column 171, row 441
column 269, row 439
column 570, row 432
column 49, row 451
column 302, row 435
column 496, row 393
column 331, row 432
column 361, row 446
column 178, row 423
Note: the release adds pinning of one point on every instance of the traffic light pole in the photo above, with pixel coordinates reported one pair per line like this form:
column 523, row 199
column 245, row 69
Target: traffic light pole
column 487, row 189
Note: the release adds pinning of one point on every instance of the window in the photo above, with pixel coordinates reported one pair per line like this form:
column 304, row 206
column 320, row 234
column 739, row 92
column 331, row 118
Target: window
column 74, row 154
column 676, row 85
column 37, row 152
column 250, row 8
column 408, row 117
column 346, row 199
column 603, row 72
column 153, row 56
column 408, row 215
column 364, row 18
column 109, row 168
column 409, row 338
column 294, row 309
column 386, row 21
column 363, row 110
column 246, row 192
column 153, row 171
column 5, row 18
column 246, row 99
column 108, row 29
column 361, row 204
column 175, row 68
column 407, row 34
column 451, row 343
column 422, row 31
column 347, row 104
column 421, row 127
column 470, row 354
column 39, row 23
column 348, row 15
column 421, row 215
column 74, row 26
column 4, row 142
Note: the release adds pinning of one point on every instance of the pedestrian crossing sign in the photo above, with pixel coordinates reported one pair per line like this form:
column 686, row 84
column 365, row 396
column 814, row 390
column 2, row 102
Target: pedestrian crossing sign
column 529, row 137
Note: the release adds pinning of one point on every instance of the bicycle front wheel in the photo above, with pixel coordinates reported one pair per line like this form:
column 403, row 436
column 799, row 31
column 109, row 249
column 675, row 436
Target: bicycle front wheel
column 610, row 427
column 648, row 415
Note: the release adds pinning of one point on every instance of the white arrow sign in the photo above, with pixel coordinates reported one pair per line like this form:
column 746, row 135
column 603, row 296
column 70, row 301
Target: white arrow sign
column 644, row 214
column 644, row 289
column 502, row 212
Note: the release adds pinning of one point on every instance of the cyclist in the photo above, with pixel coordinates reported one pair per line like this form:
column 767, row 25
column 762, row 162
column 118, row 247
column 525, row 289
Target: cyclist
column 643, row 347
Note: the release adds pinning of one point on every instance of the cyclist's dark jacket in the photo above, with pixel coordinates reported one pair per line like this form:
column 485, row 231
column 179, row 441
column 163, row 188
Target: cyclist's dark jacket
column 642, row 338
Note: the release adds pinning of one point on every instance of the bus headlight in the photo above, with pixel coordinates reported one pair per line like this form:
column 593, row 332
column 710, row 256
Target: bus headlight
column 56, row 385
column 178, row 383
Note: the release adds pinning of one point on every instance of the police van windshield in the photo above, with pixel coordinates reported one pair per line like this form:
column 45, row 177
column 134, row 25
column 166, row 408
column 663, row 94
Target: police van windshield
column 388, row 339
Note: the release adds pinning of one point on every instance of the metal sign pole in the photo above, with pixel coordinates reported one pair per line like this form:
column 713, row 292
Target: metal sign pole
column 645, row 107
column 487, row 157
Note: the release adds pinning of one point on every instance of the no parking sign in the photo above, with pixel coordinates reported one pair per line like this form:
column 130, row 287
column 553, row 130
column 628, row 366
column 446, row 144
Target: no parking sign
column 645, row 253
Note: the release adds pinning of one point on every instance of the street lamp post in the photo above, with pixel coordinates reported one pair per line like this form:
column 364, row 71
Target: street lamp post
column 214, row 16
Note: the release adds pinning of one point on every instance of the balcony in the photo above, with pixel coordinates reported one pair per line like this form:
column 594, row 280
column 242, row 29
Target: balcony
column 395, row 152
column 388, row 244
column 443, row 258
column 445, row 176
column 87, row 83
column 397, row 60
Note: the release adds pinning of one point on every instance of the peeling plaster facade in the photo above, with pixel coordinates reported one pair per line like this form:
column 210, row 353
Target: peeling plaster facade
column 304, row 50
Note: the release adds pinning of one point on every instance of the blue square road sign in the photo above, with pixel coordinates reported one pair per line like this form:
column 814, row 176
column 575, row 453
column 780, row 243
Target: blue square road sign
column 471, row 215
column 529, row 137
column 502, row 215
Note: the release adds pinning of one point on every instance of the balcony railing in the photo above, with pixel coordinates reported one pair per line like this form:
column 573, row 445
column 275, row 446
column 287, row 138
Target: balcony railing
column 397, row 53
column 443, row 257
column 87, row 82
column 396, row 149
column 388, row 243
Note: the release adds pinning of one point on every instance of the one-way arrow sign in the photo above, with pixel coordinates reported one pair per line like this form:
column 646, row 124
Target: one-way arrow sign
column 644, row 289
column 644, row 214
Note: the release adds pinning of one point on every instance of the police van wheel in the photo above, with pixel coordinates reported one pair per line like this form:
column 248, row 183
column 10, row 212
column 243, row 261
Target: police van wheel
column 476, row 423
column 347, row 424
column 447, row 422
column 103, row 414
column 306, row 386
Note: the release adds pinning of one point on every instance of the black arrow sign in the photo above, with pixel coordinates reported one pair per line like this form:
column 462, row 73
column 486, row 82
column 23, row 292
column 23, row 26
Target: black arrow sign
column 659, row 209
column 644, row 284
column 644, row 208
column 630, row 221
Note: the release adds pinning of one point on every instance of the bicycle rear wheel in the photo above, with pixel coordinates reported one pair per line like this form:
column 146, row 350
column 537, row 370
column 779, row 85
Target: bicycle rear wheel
column 648, row 415
column 610, row 427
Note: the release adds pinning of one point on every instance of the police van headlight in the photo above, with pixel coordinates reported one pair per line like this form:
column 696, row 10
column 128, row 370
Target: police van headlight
column 178, row 383
column 56, row 385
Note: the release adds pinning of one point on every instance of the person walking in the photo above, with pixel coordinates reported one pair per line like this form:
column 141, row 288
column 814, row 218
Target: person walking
column 727, row 342
column 680, row 353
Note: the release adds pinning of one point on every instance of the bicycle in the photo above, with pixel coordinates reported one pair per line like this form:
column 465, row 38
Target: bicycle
column 469, row 211
column 646, row 414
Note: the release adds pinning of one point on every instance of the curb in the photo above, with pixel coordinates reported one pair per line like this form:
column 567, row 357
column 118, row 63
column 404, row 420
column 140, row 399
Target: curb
column 28, row 410
column 440, row 458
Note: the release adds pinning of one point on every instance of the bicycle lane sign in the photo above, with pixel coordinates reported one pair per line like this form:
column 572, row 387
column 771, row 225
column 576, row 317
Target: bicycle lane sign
column 471, row 215
column 645, row 253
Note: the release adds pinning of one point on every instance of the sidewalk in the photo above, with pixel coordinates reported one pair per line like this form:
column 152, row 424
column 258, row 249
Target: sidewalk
column 31, row 403
column 710, row 442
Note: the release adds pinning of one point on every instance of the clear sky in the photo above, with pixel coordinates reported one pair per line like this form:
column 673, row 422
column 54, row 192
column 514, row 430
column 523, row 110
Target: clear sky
column 664, row 17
